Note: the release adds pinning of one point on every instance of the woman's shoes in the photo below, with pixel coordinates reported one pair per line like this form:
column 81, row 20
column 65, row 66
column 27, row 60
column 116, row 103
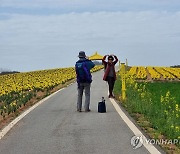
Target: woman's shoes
column 111, row 96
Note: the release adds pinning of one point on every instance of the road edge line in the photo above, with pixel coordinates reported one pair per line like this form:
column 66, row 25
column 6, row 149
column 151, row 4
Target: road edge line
column 6, row 129
column 134, row 129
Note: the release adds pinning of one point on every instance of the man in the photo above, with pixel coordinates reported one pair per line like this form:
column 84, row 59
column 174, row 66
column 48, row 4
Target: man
column 84, row 79
column 110, row 74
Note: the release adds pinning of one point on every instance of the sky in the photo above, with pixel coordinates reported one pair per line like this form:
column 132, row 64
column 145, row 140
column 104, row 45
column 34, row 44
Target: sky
column 45, row 34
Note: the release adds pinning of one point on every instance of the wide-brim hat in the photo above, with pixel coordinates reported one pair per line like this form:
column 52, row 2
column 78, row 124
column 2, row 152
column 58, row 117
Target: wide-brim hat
column 82, row 54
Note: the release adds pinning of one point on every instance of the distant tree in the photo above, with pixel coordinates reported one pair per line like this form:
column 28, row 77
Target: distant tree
column 176, row 66
column 7, row 71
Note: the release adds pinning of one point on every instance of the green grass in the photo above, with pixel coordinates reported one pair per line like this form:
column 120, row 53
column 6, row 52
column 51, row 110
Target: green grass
column 159, row 102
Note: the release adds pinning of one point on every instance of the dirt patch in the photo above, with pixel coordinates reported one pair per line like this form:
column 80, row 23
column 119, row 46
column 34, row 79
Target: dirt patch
column 149, row 78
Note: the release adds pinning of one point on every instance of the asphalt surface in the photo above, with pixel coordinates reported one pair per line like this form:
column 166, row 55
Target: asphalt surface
column 55, row 127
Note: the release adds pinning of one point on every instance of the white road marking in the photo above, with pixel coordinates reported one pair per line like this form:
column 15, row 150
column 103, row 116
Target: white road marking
column 134, row 129
column 4, row 131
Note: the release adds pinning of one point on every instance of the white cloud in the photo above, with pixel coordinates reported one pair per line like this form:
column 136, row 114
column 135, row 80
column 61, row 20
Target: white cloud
column 145, row 38
column 43, row 3
column 119, row 25
column 94, row 5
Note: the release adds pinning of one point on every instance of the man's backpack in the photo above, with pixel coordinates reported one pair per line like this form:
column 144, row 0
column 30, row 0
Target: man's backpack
column 83, row 73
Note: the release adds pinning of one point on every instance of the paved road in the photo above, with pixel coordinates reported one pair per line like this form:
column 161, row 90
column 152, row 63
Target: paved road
column 55, row 127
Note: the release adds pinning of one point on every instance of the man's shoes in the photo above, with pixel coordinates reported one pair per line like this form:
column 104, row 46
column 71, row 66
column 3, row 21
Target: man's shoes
column 88, row 110
column 79, row 110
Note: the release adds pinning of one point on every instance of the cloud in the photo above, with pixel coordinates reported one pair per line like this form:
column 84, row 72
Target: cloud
column 90, row 5
column 43, row 3
column 82, row 26
column 31, row 42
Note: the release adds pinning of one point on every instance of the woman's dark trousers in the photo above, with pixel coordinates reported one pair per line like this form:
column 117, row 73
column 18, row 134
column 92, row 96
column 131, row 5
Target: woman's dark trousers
column 111, row 82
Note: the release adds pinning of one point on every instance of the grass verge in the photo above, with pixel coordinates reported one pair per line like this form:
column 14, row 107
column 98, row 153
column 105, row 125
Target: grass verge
column 155, row 107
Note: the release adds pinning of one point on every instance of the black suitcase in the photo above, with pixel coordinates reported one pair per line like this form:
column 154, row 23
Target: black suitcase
column 102, row 106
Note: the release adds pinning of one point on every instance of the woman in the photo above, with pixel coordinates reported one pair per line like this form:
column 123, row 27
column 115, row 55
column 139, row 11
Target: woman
column 110, row 74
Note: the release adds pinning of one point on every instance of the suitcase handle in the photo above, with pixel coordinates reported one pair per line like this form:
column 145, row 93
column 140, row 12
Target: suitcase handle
column 103, row 100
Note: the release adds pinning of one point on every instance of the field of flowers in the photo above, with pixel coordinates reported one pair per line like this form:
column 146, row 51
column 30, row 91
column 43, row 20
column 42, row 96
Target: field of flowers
column 158, row 102
column 17, row 89
column 154, row 73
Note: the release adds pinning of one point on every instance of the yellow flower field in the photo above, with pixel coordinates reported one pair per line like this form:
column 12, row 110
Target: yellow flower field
column 156, row 103
column 17, row 89
column 36, row 80
column 154, row 73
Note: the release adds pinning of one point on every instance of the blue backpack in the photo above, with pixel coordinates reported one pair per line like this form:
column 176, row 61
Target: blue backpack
column 83, row 73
